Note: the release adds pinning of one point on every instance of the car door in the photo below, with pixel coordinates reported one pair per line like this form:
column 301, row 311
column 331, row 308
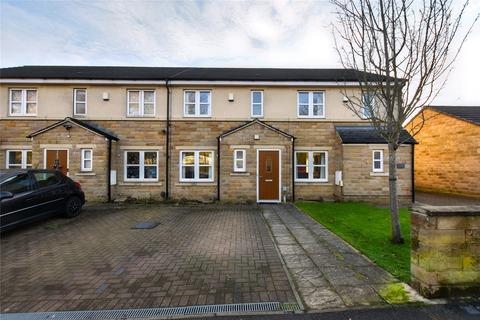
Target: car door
column 23, row 205
column 52, row 190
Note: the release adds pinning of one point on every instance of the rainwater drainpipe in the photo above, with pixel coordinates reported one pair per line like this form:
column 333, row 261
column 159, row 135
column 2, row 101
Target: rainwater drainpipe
column 218, row 168
column 413, row 173
column 167, row 133
column 109, row 171
column 293, row 169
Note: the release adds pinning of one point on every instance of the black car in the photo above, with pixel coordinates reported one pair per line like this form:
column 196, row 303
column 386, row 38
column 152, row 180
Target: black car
column 27, row 195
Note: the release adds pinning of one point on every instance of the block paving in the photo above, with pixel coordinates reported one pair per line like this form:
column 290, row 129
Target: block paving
column 201, row 254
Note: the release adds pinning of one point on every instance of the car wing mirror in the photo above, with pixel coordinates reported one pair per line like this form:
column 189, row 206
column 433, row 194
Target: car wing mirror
column 5, row 195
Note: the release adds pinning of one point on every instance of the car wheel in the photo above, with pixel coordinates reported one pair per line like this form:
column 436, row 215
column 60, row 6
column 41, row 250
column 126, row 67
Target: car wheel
column 73, row 207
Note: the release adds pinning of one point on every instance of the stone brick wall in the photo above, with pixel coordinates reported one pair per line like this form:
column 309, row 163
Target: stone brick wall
column 359, row 180
column 447, row 157
column 445, row 256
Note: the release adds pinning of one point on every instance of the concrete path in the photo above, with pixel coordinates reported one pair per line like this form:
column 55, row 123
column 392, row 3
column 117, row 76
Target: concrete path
column 436, row 199
column 327, row 272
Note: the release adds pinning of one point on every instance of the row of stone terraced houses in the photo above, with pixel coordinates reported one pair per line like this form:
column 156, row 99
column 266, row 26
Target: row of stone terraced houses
column 265, row 135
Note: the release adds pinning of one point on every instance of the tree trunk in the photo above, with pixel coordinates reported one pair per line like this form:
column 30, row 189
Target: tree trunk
column 392, row 177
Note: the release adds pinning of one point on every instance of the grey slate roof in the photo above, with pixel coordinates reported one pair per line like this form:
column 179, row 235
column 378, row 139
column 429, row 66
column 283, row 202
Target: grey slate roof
column 467, row 113
column 367, row 134
column 85, row 124
column 163, row 73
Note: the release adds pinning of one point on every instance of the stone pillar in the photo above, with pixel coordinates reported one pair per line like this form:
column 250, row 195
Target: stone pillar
column 445, row 256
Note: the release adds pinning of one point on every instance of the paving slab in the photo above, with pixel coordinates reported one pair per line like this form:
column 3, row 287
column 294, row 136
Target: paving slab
column 327, row 272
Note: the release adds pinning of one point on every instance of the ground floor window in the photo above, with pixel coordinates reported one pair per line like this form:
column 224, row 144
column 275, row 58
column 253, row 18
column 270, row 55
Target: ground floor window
column 377, row 156
column 239, row 160
column 19, row 159
column 141, row 166
column 86, row 160
column 196, row 166
column 311, row 166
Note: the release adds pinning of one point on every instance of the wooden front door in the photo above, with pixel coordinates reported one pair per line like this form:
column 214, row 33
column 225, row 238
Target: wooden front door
column 268, row 176
column 58, row 160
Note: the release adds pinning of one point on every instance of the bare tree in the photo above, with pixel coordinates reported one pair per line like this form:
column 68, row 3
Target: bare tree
column 404, row 50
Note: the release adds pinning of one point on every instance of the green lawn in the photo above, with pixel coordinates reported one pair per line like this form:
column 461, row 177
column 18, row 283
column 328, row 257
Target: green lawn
column 366, row 228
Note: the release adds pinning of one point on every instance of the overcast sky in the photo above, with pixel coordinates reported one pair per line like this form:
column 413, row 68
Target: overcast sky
column 199, row 33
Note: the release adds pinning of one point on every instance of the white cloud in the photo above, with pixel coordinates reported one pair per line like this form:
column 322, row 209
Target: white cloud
column 190, row 33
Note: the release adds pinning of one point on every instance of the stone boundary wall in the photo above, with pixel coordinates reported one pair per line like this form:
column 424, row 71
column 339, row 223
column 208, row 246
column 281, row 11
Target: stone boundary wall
column 445, row 256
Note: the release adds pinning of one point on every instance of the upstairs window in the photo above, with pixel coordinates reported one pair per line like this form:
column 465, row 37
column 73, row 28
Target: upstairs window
column 368, row 103
column 377, row 156
column 23, row 102
column 197, row 103
column 196, row 166
column 311, row 166
column 19, row 159
column 239, row 160
column 141, row 103
column 311, row 104
column 257, row 104
column 80, row 102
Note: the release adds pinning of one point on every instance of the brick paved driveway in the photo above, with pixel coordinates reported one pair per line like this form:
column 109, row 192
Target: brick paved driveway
column 205, row 254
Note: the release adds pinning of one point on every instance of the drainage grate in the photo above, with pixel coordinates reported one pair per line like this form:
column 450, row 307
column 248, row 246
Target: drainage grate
column 146, row 225
column 239, row 308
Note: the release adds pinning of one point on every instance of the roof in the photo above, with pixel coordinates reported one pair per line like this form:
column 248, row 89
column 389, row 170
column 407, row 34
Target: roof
column 367, row 134
column 466, row 113
column 85, row 124
column 245, row 125
column 164, row 73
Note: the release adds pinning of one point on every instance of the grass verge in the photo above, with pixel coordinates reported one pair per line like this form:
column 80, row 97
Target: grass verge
column 367, row 228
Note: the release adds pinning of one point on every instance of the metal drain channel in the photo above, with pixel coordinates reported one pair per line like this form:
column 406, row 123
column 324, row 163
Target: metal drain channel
column 239, row 308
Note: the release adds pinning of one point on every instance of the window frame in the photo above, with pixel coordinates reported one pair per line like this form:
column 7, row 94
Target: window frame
column 141, row 166
column 243, row 158
column 311, row 104
column 23, row 102
column 83, row 168
column 310, row 165
column 196, row 165
column 141, row 103
column 75, row 113
column 381, row 169
column 24, row 164
column 197, row 103
column 252, row 104
column 364, row 109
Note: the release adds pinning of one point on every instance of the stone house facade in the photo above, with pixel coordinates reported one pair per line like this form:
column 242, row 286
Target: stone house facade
column 239, row 135
column 447, row 158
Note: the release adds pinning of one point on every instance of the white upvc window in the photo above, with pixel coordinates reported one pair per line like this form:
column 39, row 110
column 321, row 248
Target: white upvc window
column 196, row 166
column 257, row 104
column 80, row 102
column 141, row 103
column 239, row 160
column 368, row 103
column 311, row 104
column 23, row 102
column 311, row 166
column 19, row 159
column 86, row 160
column 141, row 166
column 377, row 160
column 197, row 103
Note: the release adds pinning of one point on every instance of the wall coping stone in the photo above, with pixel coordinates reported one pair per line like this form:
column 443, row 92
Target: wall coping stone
column 440, row 211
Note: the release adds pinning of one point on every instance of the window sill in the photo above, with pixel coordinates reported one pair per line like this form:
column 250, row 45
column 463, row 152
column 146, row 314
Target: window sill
column 195, row 116
column 140, row 183
column 379, row 174
column 141, row 117
column 196, row 183
column 22, row 115
column 309, row 182
column 86, row 173
column 239, row 173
